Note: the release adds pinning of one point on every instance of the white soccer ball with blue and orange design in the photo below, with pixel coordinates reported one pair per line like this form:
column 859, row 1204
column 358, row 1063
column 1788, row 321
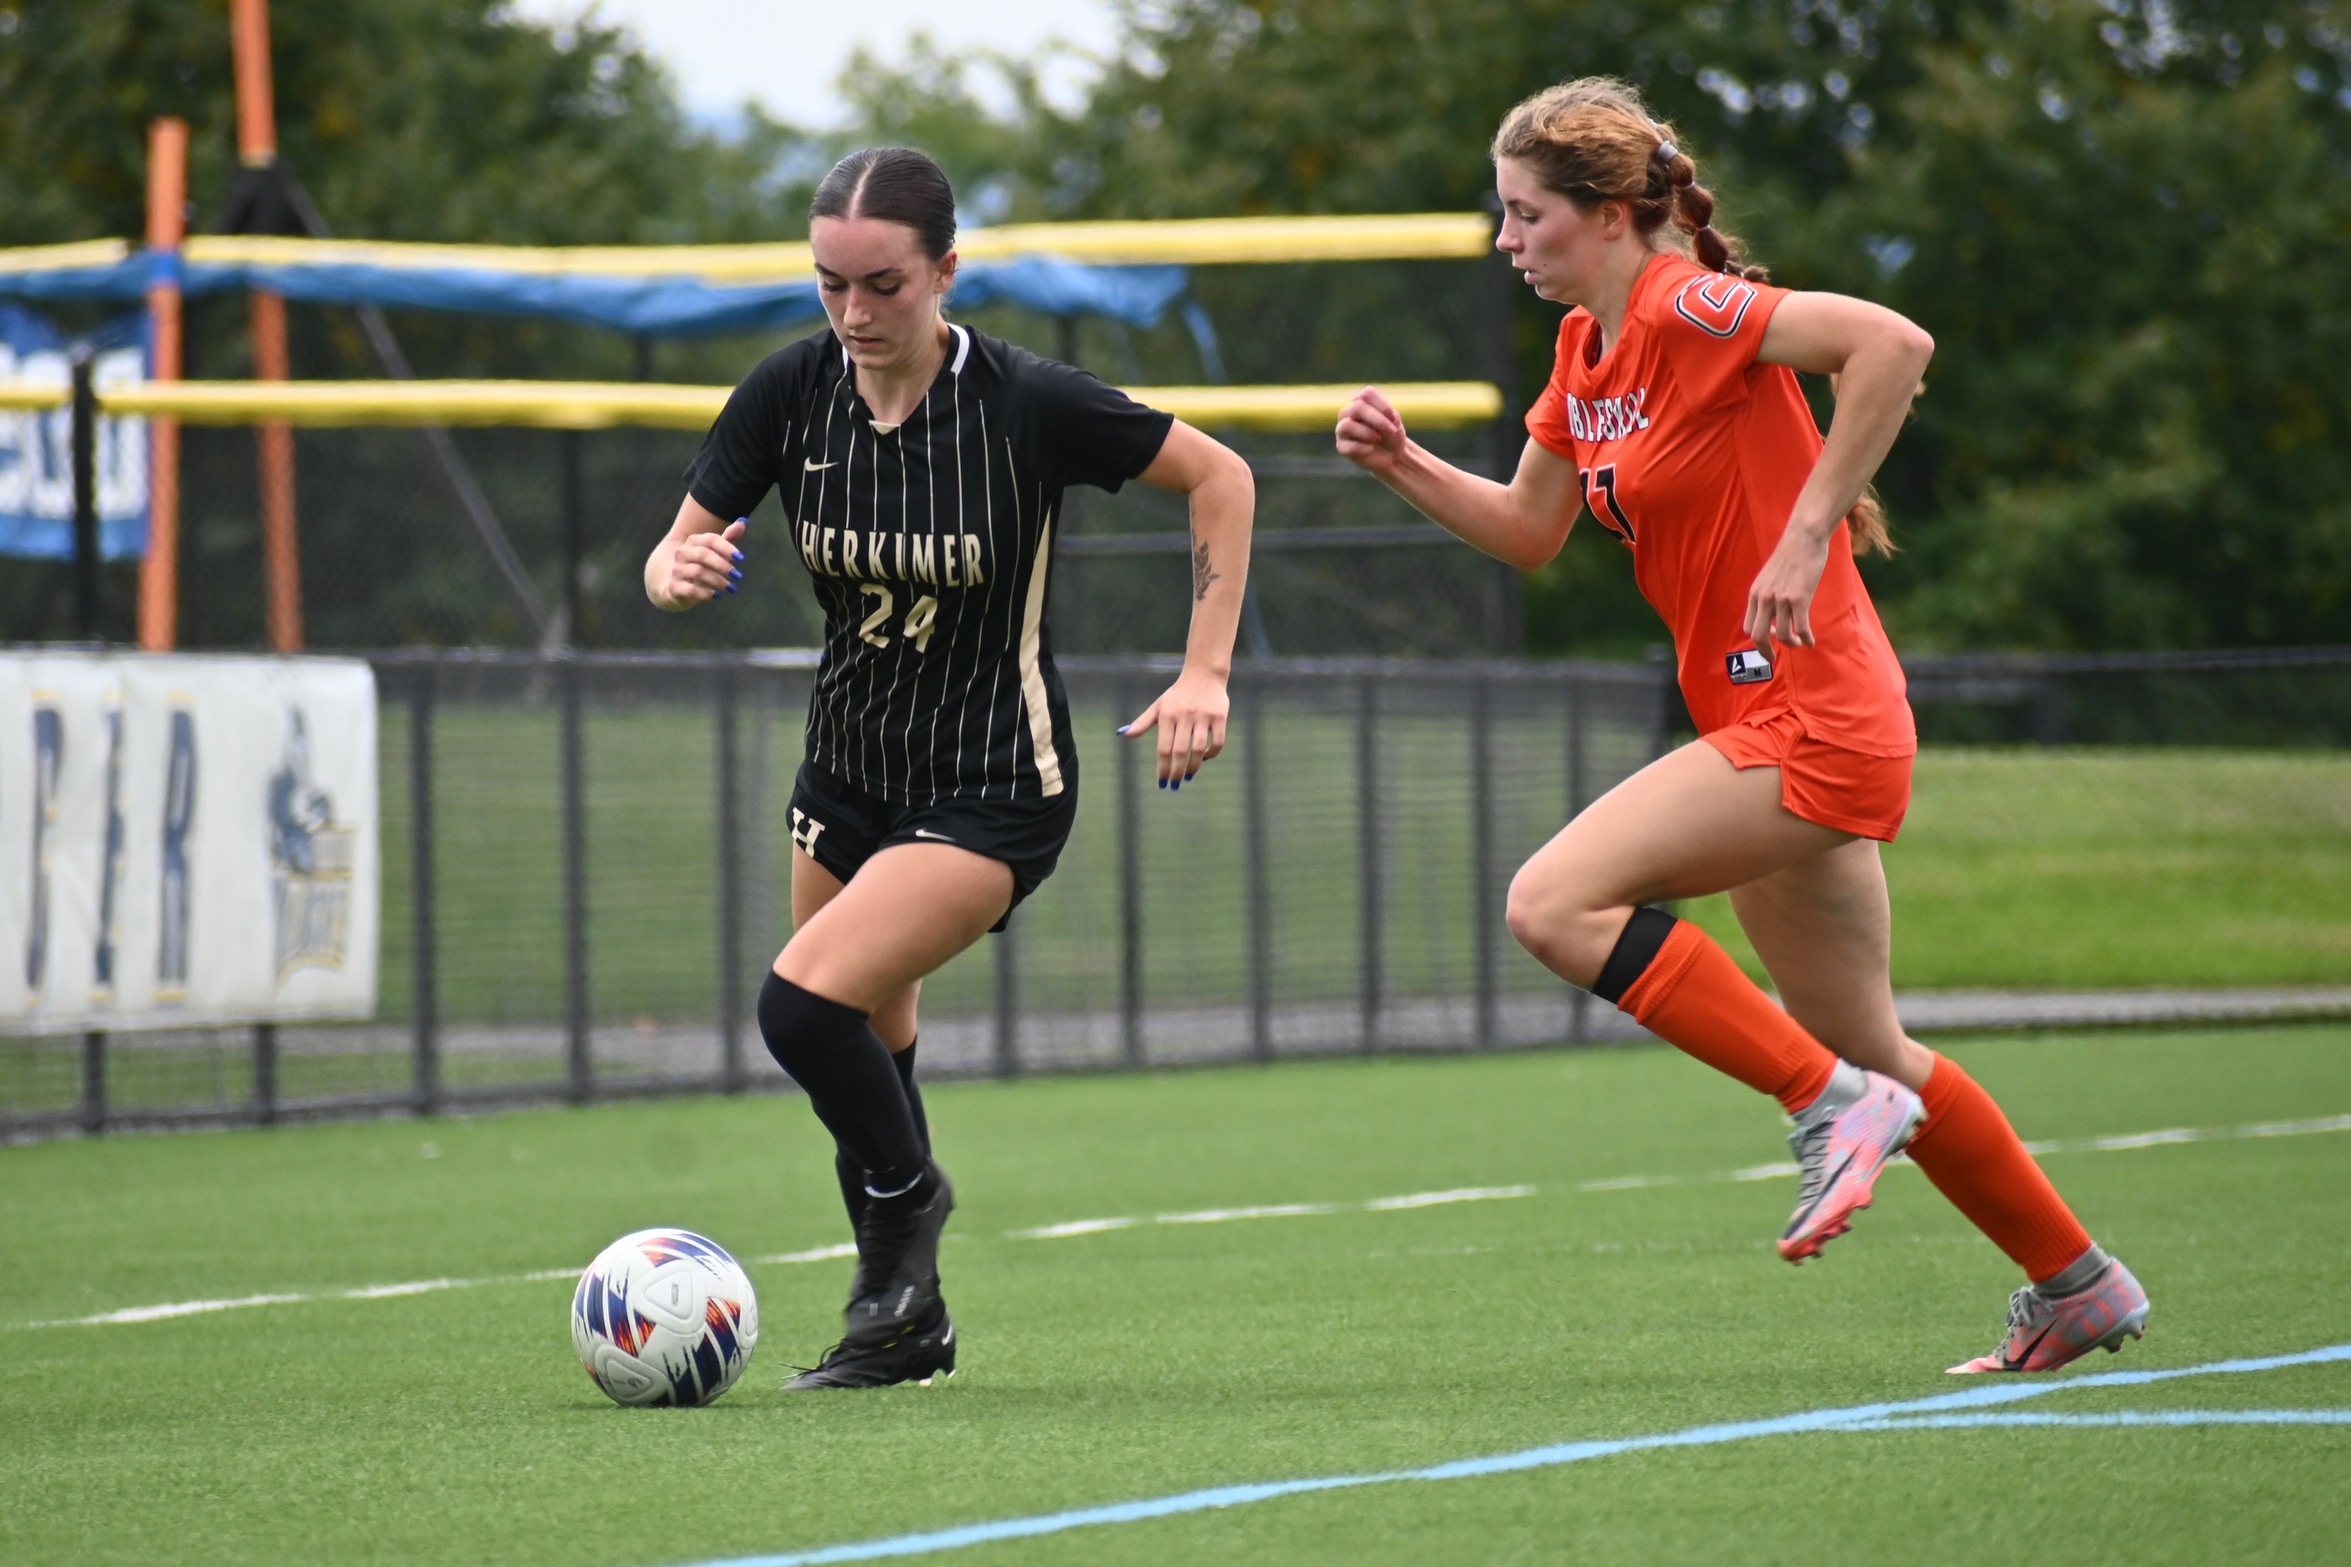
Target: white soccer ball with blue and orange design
column 664, row 1317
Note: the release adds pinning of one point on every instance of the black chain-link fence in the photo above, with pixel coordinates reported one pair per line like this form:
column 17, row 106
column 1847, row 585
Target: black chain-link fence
column 586, row 864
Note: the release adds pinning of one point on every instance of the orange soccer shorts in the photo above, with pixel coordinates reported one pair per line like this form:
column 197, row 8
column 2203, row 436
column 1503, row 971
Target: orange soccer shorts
column 1823, row 783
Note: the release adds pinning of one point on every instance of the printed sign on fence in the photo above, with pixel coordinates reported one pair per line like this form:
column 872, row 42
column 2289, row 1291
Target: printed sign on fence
column 36, row 448
column 185, row 841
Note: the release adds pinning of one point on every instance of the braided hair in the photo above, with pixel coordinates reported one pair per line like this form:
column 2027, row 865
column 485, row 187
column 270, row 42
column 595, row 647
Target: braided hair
column 1593, row 140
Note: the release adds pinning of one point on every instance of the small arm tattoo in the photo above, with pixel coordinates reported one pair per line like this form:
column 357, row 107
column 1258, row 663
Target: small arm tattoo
column 1201, row 575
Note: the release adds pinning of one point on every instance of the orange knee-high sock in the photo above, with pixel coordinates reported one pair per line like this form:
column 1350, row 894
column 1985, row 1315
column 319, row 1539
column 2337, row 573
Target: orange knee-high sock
column 1974, row 1157
column 1693, row 996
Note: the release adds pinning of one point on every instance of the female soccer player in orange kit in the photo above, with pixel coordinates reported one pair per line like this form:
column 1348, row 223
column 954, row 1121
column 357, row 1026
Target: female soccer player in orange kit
column 1673, row 415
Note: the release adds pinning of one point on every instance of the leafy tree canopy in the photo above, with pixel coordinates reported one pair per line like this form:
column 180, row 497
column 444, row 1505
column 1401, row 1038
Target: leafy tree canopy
column 2123, row 220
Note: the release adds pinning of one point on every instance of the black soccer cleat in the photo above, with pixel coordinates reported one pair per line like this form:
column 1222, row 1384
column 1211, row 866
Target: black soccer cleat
column 896, row 1288
column 919, row 1356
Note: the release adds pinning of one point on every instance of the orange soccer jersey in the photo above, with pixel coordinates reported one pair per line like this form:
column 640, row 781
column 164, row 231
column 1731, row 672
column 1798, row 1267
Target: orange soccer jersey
column 1692, row 452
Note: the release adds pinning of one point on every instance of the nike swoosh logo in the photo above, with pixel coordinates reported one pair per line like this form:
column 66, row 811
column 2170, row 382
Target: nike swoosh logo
column 817, row 467
column 938, row 837
column 2025, row 1355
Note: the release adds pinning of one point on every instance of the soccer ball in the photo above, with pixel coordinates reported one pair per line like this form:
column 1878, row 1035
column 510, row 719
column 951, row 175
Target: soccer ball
column 664, row 1317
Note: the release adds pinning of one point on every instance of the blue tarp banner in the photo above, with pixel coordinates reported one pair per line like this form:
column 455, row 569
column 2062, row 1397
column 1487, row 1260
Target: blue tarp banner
column 36, row 449
column 652, row 306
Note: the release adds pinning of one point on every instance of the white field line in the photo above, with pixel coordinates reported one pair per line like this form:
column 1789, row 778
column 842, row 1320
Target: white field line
column 197, row 1308
column 1626, row 1183
column 1077, row 1227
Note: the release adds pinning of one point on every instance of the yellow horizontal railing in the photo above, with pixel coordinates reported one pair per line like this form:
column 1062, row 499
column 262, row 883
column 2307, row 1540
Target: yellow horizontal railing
column 1410, row 236
column 591, row 405
column 31, row 396
column 81, row 253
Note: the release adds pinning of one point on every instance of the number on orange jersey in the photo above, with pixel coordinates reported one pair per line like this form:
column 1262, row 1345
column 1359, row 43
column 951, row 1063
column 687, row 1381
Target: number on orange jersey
column 1600, row 495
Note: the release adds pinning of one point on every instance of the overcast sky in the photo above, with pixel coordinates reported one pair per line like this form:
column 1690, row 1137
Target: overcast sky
column 785, row 53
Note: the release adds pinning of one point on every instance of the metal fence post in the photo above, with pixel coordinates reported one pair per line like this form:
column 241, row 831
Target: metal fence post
column 1578, row 796
column 1368, row 878
column 265, row 1073
column 94, row 1082
column 423, row 964
column 572, row 488
column 730, row 886
column 1481, row 794
column 2049, row 710
column 1007, row 964
column 1130, row 887
column 1259, row 917
column 575, row 884
column 84, row 452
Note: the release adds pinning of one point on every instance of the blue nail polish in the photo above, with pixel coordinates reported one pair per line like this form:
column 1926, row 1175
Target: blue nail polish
column 738, row 557
column 730, row 587
column 734, row 576
column 1177, row 785
column 1120, row 730
column 1162, row 783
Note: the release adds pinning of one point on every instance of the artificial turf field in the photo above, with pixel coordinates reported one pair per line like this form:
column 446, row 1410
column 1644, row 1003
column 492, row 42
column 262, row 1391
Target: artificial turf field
column 1141, row 1362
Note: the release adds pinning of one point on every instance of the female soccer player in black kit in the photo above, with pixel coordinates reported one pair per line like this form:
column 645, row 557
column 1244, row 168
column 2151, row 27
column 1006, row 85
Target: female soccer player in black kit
column 921, row 467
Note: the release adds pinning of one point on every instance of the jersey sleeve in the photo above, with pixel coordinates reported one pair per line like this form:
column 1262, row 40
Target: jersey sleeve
column 1547, row 420
column 736, row 466
column 1710, row 326
column 1094, row 433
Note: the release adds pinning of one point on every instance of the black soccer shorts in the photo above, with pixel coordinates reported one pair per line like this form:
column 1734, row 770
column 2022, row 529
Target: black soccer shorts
column 841, row 827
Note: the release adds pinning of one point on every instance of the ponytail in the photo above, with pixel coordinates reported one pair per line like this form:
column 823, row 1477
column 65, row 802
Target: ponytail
column 1693, row 214
column 1867, row 524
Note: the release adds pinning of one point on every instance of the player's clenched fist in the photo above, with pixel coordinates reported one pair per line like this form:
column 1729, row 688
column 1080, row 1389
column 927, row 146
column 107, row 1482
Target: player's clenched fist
column 1371, row 432
column 701, row 567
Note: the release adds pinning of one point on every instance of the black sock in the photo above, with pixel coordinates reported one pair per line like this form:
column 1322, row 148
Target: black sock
column 1636, row 948
column 845, row 1169
column 833, row 1054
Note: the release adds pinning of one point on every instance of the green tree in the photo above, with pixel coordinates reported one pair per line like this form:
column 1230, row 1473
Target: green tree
column 2121, row 219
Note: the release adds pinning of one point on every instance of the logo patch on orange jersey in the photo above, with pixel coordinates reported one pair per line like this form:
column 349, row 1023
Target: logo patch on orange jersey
column 1715, row 305
column 1750, row 668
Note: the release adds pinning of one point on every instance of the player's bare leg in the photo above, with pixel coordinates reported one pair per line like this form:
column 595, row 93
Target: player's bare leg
column 1824, row 928
column 868, row 942
column 1688, row 824
column 858, row 958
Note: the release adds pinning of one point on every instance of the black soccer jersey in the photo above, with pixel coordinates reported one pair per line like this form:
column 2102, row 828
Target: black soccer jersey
column 930, row 542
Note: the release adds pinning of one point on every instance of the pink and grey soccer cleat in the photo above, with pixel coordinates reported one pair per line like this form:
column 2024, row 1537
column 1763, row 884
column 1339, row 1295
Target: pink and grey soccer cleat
column 2045, row 1333
column 1842, row 1140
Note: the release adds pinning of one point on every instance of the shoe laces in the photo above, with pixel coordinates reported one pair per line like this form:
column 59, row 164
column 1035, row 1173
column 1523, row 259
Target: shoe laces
column 2024, row 1310
column 1812, row 1157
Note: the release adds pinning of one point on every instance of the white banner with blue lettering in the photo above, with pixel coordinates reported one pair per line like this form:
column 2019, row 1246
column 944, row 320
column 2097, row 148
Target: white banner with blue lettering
column 185, row 841
column 36, row 449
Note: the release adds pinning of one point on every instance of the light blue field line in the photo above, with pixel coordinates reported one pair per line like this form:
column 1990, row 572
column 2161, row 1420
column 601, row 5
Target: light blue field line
column 2117, row 1417
column 1858, row 1416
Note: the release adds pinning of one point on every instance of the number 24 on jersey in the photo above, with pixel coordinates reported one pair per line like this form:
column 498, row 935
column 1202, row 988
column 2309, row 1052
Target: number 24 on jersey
column 921, row 620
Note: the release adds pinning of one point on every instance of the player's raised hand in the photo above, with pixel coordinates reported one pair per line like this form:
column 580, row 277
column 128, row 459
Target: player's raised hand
column 702, row 566
column 1371, row 432
column 1190, row 717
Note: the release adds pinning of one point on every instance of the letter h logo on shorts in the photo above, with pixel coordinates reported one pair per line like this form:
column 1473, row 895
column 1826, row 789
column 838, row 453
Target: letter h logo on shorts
column 1750, row 668
column 806, row 829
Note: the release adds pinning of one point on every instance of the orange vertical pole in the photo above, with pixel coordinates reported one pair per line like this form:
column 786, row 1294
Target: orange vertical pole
column 167, row 220
column 257, row 148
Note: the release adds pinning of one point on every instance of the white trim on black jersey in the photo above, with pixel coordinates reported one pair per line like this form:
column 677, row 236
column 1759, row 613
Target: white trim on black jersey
column 930, row 546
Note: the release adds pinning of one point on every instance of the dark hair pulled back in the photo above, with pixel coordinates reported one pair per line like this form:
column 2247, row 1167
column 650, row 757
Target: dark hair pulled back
column 896, row 185
column 1593, row 140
